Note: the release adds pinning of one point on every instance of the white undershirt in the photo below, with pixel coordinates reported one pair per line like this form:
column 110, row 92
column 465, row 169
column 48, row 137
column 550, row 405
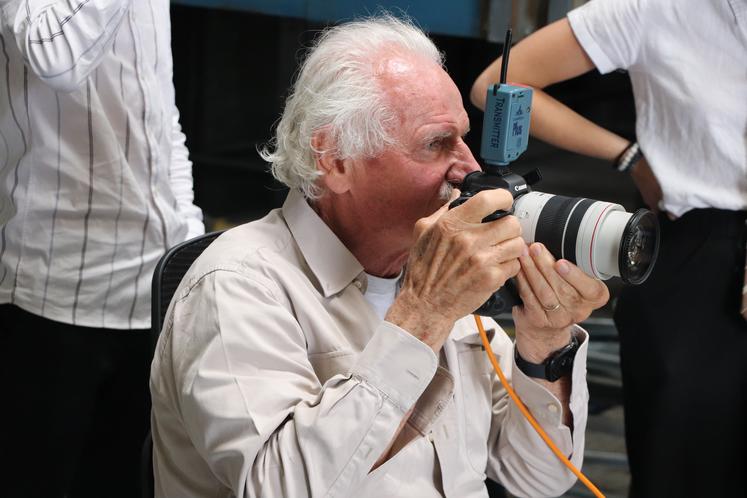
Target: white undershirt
column 381, row 292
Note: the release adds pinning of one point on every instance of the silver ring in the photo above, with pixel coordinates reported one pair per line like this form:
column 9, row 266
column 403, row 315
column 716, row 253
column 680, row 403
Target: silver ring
column 551, row 308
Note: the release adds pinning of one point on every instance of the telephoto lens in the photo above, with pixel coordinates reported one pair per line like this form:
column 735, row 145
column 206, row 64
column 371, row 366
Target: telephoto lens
column 601, row 238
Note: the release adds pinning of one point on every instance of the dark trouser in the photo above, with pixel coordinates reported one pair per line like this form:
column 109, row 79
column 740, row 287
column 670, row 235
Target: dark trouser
column 683, row 345
column 74, row 408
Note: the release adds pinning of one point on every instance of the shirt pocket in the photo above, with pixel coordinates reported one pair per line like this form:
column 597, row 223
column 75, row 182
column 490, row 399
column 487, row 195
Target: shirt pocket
column 327, row 365
column 476, row 379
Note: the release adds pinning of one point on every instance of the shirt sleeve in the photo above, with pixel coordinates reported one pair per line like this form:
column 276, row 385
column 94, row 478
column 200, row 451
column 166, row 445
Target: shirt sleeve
column 518, row 456
column 254, row 408
column 610, row 31
column 181, row 180
column 63, row 41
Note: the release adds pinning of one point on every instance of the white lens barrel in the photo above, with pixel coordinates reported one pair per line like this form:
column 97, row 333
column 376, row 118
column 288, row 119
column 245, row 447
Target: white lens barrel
column 583, row 231
column 527, row 209
column 599, row 239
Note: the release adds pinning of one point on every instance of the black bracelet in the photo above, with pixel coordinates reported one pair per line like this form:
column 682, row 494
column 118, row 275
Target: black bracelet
column 631, row 155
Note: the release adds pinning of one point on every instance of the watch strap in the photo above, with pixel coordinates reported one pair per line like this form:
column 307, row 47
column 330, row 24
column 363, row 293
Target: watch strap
column 536, row 370
column 558, row 364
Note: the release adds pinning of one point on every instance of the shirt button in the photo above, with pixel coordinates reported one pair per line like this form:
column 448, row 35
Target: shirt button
column 552, row 408
column 430, row 437
column 358, row 284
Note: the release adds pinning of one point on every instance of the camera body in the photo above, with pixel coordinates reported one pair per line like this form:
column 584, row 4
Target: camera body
column 496, row 177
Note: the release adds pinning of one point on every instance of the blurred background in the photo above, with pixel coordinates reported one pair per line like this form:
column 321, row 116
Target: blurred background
column 234, row 61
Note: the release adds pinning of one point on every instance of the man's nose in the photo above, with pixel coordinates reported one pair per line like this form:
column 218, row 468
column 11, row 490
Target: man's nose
column 464, row 166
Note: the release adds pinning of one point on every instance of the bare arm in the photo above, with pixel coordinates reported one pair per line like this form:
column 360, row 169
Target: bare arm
column 549, row 56
column 552, row 55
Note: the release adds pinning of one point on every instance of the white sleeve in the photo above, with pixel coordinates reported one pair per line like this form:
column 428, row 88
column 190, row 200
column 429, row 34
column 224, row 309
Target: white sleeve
column 63, row 41
column 519, row 458
column 610, row 31
column 180, row 178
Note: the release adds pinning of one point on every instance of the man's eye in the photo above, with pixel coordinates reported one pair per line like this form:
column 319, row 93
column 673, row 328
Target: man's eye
column 435, row 144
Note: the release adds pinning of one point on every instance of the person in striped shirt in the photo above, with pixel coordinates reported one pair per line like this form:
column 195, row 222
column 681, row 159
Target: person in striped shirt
column 95, row 184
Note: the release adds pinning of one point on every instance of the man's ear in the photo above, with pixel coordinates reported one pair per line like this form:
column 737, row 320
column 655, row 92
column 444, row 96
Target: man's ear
column 335, row 171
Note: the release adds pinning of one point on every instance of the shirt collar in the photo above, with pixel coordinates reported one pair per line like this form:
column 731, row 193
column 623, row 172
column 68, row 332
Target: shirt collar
column 333, row 265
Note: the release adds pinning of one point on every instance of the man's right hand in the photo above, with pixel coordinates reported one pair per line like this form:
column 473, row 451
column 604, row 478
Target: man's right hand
column 455, row 264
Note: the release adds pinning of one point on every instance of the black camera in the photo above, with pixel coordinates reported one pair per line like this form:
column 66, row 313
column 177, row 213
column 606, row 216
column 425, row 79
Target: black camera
column 600, row 237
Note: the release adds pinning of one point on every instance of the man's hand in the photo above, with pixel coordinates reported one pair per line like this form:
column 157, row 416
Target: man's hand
column 647, row 184
column 556, row 295
column 456, row 263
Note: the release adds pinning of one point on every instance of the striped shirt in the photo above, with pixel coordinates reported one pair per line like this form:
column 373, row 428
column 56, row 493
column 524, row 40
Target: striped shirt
column 95, row 182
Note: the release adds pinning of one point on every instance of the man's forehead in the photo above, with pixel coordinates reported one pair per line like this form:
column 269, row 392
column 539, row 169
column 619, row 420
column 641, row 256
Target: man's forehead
column 420, row 90
column 406, row 73
column 395, row 67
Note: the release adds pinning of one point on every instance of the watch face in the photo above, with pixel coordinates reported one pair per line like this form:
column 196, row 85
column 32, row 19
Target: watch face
column 559, row 363
column 562, row 363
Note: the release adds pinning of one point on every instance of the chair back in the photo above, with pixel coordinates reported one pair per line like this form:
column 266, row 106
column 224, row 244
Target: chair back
column 169, row 272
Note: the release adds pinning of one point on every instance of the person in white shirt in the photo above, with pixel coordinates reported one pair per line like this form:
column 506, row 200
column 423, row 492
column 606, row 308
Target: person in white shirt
column 327, row 349
column 682, row 338
column 95, row 184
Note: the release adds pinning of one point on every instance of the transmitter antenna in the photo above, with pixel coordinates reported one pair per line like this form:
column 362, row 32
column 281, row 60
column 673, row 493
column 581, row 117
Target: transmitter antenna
column 506, row 51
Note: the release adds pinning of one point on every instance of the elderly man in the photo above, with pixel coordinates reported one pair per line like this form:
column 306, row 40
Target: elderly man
column 327, row 349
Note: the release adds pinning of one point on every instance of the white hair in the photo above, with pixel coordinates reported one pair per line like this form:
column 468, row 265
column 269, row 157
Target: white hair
column 337, row 88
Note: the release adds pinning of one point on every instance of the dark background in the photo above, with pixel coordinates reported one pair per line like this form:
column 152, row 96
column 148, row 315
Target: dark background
column 232, row 71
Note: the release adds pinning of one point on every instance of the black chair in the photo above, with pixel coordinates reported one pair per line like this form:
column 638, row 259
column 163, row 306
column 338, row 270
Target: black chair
column 166, row 278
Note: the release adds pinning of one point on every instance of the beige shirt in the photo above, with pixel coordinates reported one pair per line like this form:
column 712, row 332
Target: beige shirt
column 274, row 377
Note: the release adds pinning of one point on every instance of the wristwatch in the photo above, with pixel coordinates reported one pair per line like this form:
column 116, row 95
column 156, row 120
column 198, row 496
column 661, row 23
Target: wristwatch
column 558, row 364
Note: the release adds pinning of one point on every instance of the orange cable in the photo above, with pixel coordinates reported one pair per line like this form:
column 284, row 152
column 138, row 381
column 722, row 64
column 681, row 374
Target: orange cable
column 528, row 415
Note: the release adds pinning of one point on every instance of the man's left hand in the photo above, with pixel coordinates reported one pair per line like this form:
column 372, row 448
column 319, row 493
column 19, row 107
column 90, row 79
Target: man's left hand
column 556, row 295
